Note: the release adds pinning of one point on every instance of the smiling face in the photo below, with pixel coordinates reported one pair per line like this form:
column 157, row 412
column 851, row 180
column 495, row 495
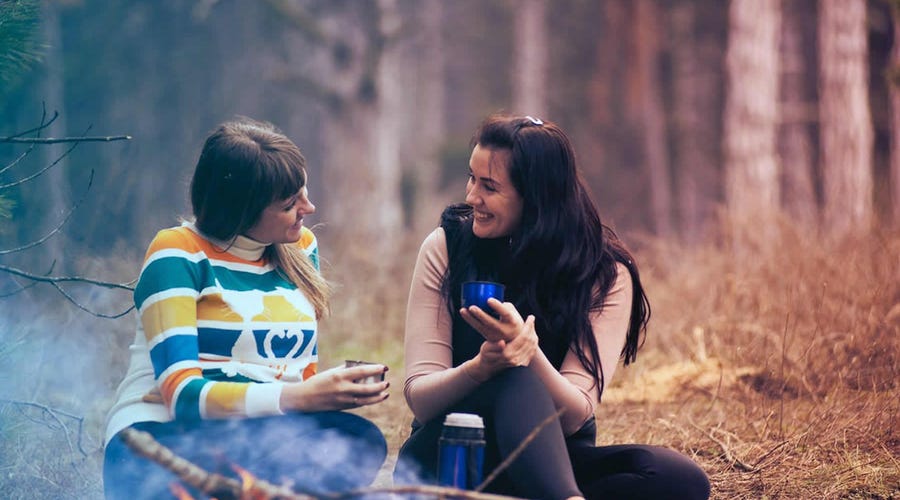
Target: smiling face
column 490, row 192
column 282, row 220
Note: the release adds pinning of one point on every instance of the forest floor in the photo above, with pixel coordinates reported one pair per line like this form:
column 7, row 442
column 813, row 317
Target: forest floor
column 776, row 368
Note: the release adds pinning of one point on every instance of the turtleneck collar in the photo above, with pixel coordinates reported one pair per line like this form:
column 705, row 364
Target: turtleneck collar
column 244, row 247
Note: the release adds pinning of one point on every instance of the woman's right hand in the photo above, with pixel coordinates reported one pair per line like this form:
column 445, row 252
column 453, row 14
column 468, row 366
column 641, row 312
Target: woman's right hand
column 335, row 389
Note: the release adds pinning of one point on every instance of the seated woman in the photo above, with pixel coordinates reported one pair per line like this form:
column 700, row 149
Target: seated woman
column 223, row 369
column 574, row 305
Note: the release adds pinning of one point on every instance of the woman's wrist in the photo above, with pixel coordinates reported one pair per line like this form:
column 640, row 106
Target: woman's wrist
column 475, row 369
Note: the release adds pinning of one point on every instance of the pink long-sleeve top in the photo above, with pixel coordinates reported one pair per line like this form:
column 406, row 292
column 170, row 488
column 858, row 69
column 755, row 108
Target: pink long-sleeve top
column 433, row 384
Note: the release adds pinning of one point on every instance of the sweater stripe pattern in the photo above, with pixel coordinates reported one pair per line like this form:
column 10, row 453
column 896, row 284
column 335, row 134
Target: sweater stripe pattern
column 222, row 332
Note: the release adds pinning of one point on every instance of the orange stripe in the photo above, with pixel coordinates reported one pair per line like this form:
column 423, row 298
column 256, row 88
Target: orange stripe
column 168, row 386
column 183, row 238
column 310, row 370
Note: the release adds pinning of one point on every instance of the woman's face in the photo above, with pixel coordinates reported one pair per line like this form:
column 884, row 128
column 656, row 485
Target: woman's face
column 282, row 220
column 497, row 204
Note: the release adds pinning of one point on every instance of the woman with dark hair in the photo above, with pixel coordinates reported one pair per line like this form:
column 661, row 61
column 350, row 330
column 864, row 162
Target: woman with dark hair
column 224, row 365
column 574, row 305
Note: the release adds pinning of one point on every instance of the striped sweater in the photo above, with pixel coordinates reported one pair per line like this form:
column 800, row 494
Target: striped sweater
column 219, row 332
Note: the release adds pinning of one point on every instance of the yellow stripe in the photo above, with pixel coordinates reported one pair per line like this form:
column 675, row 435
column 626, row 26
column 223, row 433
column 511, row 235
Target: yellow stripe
column 277, row 309
column 226, row 399
column 168, row 313
column 212, row 308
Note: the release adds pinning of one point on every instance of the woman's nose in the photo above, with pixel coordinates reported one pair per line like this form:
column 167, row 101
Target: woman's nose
column 471, row 196
column 306, row 208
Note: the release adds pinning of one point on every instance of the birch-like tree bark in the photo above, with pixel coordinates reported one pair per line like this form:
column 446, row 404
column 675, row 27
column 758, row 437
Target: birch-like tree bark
column 845, row 118
column 798, row 112
column 696, row 117
column 529, row 77
column 751, row 174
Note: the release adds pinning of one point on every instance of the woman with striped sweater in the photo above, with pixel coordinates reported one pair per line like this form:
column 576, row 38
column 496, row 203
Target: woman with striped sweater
column 224, row 365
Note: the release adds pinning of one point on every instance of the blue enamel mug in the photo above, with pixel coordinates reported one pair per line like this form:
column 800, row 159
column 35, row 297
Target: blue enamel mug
column 476, row 293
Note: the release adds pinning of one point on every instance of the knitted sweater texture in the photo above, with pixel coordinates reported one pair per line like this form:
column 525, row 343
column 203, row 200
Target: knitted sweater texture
column 219, row 333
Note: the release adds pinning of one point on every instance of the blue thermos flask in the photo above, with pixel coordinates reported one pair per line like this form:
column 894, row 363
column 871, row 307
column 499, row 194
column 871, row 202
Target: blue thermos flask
column 461, row 451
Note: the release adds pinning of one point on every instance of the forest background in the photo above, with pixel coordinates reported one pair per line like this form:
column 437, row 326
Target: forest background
column 745, row 149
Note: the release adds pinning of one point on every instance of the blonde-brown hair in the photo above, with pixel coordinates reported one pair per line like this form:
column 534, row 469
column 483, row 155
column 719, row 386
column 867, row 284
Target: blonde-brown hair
column 245, row 166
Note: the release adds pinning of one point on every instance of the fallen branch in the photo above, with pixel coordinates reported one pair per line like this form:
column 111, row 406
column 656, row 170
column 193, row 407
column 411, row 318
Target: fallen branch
column 223, row 488
column 519, row 449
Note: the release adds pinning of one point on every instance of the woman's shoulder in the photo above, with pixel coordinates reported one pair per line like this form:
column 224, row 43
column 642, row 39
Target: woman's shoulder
column 308, row 242
column 176, row 238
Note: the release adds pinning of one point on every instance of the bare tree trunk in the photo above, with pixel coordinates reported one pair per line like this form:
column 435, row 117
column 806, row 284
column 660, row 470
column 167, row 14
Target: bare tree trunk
column 529, row 78
column 431, row 120
column 846, row 124
column 795, row 140
column 894, row 92
column 696, row 119
column 652, row 116
column 751, row 175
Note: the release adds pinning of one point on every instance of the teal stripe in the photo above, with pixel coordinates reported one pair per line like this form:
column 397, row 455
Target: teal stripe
column 314, row 257
column 168, row 273
column 187, row 407
column 218, row 375
column 242, row 281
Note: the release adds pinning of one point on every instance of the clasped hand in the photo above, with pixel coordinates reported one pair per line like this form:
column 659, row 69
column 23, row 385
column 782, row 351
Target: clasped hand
column 509, row 340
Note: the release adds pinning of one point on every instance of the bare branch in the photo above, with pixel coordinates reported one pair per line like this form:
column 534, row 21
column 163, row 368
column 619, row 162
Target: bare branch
column 86, row 309
column 43, row 125
column 59, row 226
column 66, row 279
column 54, row 414
column 519, row 449
column 222, row 487
column 51, row 140
column 41, row 171
column 17, row 160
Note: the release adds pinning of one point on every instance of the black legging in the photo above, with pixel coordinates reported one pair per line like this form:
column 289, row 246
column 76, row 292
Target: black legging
column 552, row 466
column 317, row 452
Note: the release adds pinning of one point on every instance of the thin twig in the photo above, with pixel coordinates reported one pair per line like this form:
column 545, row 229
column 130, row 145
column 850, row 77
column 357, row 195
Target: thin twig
column 65, row 279
column 41, row 171
column 17, row 160
column 732, row 460
column 58, row 226
column 519, row 449
column 54, row 414
column 86, row 309
column 52, row 140
column 43, row 125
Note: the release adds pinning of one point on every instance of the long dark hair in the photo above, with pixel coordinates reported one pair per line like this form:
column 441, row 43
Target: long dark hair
column 246, row 165
column 560, row 263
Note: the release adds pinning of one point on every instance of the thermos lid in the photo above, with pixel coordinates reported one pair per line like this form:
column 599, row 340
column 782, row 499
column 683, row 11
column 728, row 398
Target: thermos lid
column 464, row 420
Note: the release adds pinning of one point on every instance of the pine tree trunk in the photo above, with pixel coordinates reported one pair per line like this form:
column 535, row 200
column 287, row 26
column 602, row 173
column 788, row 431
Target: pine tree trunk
column 845, row 119
column 751, row 175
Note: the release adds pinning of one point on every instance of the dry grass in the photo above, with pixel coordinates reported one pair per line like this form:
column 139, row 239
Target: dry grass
column 775, row 368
